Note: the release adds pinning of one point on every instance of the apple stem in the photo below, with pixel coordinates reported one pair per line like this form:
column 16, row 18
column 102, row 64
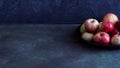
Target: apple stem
column 92, row 21
column 101, row 34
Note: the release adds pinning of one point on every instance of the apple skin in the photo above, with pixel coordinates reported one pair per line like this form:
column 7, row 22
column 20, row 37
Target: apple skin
column 82, row 28
column 115, row 40
column 87, row 36
column 101, row 38
column 114, row 32
column 110, row 17
column 117, row 25
column 91, row 25
column 99, row 27
column 107, row 26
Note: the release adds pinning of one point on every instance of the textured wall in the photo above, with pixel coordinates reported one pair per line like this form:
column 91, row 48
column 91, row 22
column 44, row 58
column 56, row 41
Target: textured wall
column 55, row 11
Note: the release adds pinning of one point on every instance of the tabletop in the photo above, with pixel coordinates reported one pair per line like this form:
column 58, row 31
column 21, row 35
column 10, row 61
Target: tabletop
column 51, row 46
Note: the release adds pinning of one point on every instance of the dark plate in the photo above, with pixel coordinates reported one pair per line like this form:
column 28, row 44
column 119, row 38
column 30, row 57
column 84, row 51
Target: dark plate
column 92, row 44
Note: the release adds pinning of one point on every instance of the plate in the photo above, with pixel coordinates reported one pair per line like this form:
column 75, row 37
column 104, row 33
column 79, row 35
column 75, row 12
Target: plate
column 93, row 44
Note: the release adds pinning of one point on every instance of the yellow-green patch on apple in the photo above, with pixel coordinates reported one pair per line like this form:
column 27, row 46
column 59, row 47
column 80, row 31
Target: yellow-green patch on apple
column 82, row 28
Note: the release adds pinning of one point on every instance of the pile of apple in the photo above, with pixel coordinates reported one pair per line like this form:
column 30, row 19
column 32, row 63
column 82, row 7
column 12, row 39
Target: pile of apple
column 105, row 32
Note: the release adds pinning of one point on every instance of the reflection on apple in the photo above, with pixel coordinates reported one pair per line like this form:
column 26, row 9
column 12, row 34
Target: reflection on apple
column 107, row 26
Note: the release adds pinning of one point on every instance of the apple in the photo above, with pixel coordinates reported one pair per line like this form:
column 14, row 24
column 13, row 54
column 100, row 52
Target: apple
column 87, row 36
column 115, row 40
column 107, row 26
column 117, row 25
column 82, row 28
column 114, row 32
column 99, row 27
column 101, row 38
column 91, row 25
column 110, row 17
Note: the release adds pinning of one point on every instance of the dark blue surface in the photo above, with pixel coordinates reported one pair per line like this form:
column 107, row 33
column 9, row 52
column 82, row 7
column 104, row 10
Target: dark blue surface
column 51, row 46
column 55, row 11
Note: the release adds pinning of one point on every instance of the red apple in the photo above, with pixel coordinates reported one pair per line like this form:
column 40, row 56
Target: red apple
column 87, row 36
column 110, row 17
column 91, row 25
column 114, row 32
column 115, row 40
column 117, row 25
column 101, row 38
column 107, row 26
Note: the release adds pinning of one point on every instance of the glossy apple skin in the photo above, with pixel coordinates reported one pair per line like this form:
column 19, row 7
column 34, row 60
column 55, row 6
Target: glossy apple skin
column 87, row 36
column 107, row 26
column 117, row 25
column 91, row 25
column 101, row 38
column 115, row 40
column 110, row 17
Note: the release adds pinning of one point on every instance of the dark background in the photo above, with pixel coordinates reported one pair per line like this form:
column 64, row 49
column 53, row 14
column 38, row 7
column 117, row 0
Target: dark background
column 55, row 11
